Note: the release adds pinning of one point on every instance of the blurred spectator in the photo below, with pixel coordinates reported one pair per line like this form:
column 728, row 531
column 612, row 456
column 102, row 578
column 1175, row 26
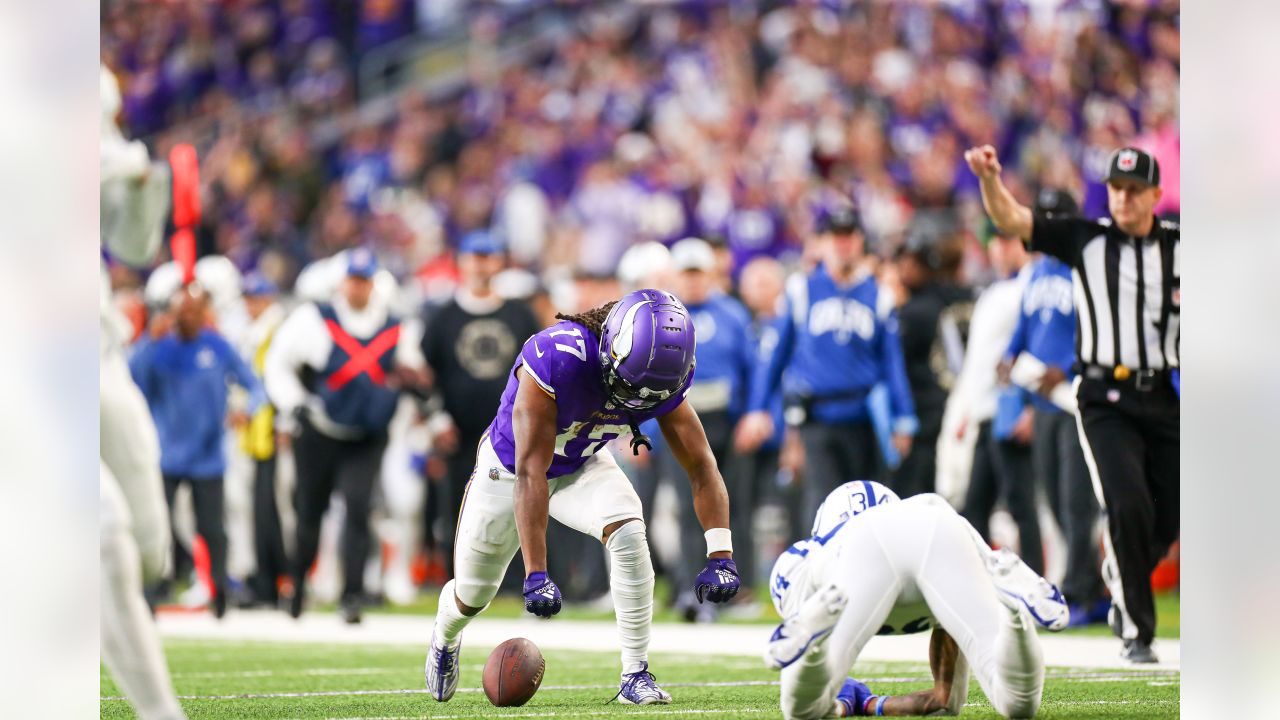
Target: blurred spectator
column 258, row 440
column 469, row 345
column 184, row 374
column 718, row 393
column 838, row 340
column 932, row 347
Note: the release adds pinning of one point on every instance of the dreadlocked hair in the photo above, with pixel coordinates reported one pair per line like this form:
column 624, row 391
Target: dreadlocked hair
column 592, row 319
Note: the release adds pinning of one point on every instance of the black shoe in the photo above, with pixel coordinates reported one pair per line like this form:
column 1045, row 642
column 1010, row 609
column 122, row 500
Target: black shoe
column 1138, row 652
column 295, row 602
column 349, row 609
column 219, row 604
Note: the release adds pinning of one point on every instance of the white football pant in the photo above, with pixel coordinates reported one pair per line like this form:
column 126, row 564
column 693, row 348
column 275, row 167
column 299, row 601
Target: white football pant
column 920, row 545
column 589, row 500
column 134, row 532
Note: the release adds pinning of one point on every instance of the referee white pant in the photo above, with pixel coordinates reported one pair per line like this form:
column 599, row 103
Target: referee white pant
column 134, row 542
column 918, row 546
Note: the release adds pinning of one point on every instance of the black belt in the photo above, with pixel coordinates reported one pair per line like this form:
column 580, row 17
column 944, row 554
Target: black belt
column 799, row 408
column 1141, row 380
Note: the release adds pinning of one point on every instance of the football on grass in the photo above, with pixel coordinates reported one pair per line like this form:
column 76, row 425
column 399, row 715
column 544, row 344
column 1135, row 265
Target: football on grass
column 513, row 673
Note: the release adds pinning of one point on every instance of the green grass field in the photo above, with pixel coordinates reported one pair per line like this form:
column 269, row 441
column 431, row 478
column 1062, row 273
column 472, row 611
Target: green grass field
column 273, row 680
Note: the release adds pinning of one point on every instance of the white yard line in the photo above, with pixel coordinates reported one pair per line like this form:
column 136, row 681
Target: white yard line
column 601, row 636
column 873, row 680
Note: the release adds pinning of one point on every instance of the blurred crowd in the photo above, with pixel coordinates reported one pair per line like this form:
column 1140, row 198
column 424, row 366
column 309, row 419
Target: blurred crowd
column 746, row 124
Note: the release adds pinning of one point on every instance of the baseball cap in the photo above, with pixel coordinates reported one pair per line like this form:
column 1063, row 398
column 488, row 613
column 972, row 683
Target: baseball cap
column 1055, row 201
column 361, row 262
column 480, row 242
column 692, row 254
column 256, row 284
column 1133, row 164
column 841, row 221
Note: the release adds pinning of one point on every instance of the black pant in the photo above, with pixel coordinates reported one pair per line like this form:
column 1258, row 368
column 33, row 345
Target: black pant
column 918, row 472
column 1002, row 470
column 326, row 464
column 206, row 497
column 1133, row 438
column 834, row 454
column 1059, row 462
column 268, row 539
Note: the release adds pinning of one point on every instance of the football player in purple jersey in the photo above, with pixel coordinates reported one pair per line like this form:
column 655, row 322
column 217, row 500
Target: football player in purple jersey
column 577, row 385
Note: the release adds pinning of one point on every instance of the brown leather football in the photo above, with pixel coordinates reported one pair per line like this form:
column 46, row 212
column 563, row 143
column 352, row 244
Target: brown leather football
column 513, row 672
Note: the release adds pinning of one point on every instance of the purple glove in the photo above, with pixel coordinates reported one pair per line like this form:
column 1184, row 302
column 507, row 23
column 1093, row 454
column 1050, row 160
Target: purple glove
column 718, row 581
column 853, row 696
column 541, row 596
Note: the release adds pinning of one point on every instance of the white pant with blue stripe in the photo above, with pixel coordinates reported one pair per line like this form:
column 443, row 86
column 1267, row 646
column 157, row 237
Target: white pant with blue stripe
column 891, row 562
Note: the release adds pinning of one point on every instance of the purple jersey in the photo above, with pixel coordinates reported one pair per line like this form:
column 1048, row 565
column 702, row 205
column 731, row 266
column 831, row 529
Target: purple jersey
column 564, row 361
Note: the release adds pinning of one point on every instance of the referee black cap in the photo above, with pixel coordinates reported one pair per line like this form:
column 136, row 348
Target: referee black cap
column 1055, row 202
column 1133, row 164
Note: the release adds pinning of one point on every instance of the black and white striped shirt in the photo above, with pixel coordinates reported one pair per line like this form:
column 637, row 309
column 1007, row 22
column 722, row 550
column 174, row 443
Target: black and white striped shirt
column 1126, row 289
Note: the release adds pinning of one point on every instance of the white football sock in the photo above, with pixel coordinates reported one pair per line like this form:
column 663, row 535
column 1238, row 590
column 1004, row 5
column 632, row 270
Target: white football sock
column 450, row 622
column 631, row 585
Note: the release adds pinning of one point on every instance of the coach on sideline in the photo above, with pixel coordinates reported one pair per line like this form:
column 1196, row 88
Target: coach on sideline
column 1125, row 282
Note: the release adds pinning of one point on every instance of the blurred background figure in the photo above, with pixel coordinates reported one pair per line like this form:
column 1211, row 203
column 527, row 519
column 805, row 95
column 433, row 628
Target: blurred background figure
column 724, row 360
column 258, row 442
column 334, row 371
column 932, row 344
column 184, row 372
column 838, row 339
column 776, row 485
column 469, row 344
column 999, row 457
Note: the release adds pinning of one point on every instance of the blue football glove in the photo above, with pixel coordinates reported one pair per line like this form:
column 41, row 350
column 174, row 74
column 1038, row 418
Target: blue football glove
column 541, row 596
column 718, row 581
column 853, row 697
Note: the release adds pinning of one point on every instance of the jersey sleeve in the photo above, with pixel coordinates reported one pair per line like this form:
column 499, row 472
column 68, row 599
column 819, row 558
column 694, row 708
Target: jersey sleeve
column 558, row 358
column 1061, row 237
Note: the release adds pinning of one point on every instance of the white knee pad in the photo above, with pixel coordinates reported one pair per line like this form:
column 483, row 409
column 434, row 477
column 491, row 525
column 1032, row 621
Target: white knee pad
column 629, row 542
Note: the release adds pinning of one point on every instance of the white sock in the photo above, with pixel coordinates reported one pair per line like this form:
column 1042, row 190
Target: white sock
column 450, row 622
column 631, row 584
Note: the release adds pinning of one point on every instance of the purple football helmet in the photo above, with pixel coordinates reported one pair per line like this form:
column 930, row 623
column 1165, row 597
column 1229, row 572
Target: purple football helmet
column 646, row 349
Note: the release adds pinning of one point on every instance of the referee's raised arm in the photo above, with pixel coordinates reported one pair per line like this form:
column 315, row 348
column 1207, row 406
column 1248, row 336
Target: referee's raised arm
column 1010, row 217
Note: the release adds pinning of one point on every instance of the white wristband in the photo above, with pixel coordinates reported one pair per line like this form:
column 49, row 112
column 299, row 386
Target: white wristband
column 719, row 540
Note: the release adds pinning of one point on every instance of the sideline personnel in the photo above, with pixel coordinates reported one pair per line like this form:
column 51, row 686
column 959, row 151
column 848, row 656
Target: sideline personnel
column 328, row 369
column 1126, row 286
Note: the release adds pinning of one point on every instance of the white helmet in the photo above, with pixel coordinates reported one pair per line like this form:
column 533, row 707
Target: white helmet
column 850, row 499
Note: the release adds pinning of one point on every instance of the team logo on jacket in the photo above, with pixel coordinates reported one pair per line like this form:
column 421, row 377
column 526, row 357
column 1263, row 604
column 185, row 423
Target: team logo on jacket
column 842, row 316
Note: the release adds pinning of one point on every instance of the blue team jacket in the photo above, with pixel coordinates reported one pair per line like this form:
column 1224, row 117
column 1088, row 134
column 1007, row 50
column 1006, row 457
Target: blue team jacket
column 724, row 354
column 1047, row 321
column 837, row 343
column 185, row 384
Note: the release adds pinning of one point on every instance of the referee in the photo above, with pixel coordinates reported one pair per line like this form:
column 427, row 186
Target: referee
column 1125, row 282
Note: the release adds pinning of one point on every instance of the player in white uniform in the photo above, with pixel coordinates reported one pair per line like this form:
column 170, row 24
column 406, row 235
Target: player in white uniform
column 878, row 565
column 134, row 521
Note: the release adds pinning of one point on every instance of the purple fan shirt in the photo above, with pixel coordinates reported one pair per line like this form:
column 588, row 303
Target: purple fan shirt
column 564, row 360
